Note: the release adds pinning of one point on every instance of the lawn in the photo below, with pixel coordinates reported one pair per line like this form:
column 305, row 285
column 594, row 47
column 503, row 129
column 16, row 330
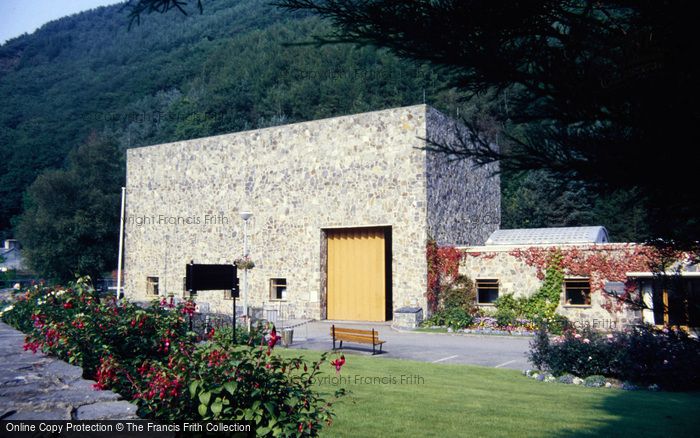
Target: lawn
column 460, row 400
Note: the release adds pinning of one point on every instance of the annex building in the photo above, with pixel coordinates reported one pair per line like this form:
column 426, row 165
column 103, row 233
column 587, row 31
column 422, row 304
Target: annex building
column 513, row 262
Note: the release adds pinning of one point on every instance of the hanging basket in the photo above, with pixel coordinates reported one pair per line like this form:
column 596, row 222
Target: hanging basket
column 244, row 263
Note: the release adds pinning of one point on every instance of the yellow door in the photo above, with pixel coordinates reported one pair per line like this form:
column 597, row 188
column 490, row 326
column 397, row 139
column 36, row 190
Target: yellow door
column 356, row 274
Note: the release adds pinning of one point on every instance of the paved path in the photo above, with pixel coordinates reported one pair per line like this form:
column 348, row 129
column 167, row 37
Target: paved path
column 485, row 350
column 37, row 387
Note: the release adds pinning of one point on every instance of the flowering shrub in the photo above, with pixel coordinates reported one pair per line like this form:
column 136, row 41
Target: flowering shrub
column 149, row 356
column 642, row 355
column 73, row 324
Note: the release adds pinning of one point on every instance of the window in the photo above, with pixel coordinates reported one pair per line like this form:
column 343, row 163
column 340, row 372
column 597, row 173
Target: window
column 486, row 291
column 578, row 292
column 152, row 285
column 278, row 288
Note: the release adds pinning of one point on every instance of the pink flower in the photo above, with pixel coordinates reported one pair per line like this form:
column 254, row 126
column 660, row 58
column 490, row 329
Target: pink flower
column 577, row 336
column 272, row 341
column 586, row 341
column 338, row 363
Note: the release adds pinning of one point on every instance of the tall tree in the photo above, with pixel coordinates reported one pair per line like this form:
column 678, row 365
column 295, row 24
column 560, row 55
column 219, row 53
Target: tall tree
column 601, row 91
column 69, row 225
column 536, row 199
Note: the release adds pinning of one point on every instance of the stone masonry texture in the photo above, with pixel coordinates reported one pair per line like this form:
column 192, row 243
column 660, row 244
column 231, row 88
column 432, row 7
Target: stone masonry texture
column 38, row 387
column 518, row 278
column 464, row 201
column 369, row 169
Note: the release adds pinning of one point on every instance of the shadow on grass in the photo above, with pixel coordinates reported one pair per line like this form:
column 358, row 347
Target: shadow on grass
column 642, row 414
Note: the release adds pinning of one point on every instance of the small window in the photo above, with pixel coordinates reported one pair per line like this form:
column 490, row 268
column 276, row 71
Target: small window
column 486, row 291
column 578, row 292
column 152, row 285
column 278, row 288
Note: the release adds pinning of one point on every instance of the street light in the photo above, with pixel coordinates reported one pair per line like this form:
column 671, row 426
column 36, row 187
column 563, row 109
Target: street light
column 245, row 215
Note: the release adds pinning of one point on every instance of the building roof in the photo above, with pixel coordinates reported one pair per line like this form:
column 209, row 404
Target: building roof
column 557, row 235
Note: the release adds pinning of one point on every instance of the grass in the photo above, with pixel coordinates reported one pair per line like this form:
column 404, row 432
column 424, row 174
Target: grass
column 459, row 400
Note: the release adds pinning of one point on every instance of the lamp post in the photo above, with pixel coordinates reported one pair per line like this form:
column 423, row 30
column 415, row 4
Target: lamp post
column 245, row 215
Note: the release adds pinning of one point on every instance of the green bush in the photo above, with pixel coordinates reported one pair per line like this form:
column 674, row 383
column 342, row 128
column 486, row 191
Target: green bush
column 455, row 318
column 566, row 378
column 505, row 317
column 556, row 324
column 595, row 381
column 461, row 294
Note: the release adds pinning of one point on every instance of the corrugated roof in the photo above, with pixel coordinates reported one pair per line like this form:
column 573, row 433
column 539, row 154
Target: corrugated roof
column 556, row 235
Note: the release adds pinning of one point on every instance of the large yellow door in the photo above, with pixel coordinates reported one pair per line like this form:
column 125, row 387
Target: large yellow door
column 356, row 274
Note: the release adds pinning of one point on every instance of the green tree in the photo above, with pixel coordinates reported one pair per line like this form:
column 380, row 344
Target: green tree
column 538, row 199
column 70, row 224
column 598, row 91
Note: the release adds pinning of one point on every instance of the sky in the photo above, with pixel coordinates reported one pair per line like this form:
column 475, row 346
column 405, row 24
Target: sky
column 20, row 16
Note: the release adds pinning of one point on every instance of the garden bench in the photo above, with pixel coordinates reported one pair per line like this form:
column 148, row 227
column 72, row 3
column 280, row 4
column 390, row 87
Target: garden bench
column 356, row 335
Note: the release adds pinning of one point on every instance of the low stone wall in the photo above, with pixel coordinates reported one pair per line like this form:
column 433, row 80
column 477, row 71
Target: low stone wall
column 38, row 387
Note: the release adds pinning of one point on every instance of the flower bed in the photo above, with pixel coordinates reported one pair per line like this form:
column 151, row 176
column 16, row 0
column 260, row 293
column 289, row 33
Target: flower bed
column 456, row 320
column 149, row 356
column 642, row 356
column 594, row 381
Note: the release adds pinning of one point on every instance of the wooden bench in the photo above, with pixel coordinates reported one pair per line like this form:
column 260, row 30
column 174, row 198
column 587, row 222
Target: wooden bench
column 356, row 335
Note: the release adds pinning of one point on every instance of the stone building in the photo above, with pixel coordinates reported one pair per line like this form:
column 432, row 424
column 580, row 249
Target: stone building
column 342, row 209
column 511, row 262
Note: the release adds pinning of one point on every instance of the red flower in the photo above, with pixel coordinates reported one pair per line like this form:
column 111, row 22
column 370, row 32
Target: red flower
column 68, row 305
column 338, row 363
column 189, row 308
column 274, row 338
column 34, row 346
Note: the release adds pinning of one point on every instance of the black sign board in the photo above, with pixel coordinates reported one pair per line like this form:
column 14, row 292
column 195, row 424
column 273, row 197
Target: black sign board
column 211, row 277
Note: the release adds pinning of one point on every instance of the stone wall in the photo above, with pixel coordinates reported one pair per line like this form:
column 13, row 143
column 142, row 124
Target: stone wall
column 516, row 277
column 183, row 200
column 464, row 200
column 39, row 387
